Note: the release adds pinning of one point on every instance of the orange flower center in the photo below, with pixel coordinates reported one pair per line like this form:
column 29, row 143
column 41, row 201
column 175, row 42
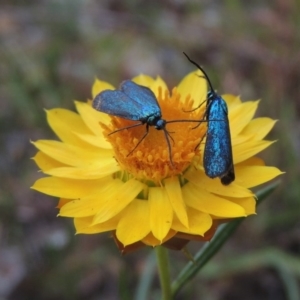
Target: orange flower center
column 150, row 160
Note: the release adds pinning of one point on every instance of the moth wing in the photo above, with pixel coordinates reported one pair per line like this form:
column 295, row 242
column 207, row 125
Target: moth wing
column 117, row 103
column 143, row 96
column 218, row 160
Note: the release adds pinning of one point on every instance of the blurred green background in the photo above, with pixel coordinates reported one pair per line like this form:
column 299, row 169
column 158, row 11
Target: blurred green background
column 50, row 53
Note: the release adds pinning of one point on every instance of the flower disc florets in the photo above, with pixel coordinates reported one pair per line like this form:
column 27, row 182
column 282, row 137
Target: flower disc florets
column 151, row 159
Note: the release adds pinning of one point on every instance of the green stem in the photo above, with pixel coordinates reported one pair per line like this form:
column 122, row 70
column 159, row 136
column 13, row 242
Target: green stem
column 164, row 272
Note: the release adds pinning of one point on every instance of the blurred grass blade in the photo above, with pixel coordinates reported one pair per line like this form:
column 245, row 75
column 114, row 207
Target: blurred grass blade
column 286, row 265
column 290, row 283
column 211, row 248
column 147, row 276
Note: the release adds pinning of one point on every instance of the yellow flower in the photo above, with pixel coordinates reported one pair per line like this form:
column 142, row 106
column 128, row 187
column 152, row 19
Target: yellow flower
column 141, row 198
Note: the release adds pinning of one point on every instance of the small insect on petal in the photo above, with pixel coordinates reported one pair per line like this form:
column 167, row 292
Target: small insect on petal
column 218, row 161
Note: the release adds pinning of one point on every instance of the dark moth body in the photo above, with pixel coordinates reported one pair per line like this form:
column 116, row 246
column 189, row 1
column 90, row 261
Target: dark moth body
column 218, row 160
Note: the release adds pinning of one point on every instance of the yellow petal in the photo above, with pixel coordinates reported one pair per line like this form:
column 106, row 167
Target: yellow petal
column 84, row 225
column 240, row 115
column 150, row 240
column 203, row 201
column 66, row 124
column 91, row 204
column 246, row 150
column 125, row 195
column 250, row 176
column 104, row 168
column 92, row 118
column 199, row 223
column 249, row 204
column 100, row 86
column 62, row 202
column 69, row 188
column 144, row 80
column 173, row 188
column 134, row 223
column 259, row 128
column 161, row 212
column 97, row 141
column 232, row 100
column 252, row 161
column 45, row 162
column 195, row 86
column 240, row 139
column 199, row 178
column 72, row 155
